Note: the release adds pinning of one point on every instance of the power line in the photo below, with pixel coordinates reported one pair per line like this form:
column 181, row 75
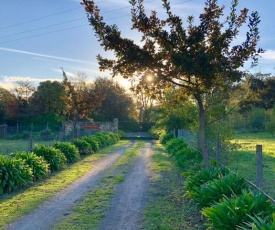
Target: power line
column 46, row 16
column 74, row 27
column 57, row 24
column 36, row 19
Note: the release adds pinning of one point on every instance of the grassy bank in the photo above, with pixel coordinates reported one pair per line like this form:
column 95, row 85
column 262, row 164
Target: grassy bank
column 19, row 203
column 244, row 159
column 88, row 214
column 167, row 208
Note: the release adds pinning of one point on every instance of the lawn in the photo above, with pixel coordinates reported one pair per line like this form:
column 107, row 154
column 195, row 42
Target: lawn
column 244, row 159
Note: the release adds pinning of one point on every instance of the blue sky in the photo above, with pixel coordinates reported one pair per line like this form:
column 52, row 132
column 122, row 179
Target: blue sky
column 37, row 38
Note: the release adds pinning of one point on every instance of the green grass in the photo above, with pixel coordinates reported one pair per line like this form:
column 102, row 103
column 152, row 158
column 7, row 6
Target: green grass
column 9, row 146
column 19, row 203
column 244, row 159
column 167, row 208
column 88, row 214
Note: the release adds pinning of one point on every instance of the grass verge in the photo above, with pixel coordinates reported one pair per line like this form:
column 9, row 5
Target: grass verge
column 19, row 203
column 167, row 209
column 88, row 214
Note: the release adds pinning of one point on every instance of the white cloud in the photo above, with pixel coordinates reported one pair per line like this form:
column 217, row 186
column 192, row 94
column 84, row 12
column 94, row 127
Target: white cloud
column 8, row 82
column 47, row 56
column 269, row 55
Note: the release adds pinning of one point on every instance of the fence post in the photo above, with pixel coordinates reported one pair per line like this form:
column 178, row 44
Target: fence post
column 259, row 166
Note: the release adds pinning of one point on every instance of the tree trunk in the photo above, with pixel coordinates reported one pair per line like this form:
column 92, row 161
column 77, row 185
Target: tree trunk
column 202, row 127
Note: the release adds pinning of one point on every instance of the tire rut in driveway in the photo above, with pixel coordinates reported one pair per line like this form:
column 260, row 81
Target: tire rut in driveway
column 49, row 213
column 127, row 205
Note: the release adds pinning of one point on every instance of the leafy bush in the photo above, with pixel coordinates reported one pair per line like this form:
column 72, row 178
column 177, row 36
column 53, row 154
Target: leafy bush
column 257, row 223
column 186, row 156
column 14, row 173
column 93, row 142
column 69, row 150
column 38, row 164
column 165, row 137
column 214, row 191
column 175, row 144
column 194, row 181
column 235, row 212
column 83, row 146
column 54, row 157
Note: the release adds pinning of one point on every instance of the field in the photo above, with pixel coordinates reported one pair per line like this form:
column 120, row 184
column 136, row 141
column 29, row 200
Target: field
column 9, row 146
column 244, row 159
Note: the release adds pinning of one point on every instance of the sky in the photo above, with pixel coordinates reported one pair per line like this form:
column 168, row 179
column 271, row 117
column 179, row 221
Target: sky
column 38, row 38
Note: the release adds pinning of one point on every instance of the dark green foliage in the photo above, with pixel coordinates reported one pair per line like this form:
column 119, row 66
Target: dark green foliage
column 93, row 142
column 194, row 181
column 14, row 173
column 54, row 157
column 236, row 211
column 38, row 164
column 175, row 144
column 213, row 191
column 258, row 223
column 69, row 150
column 186, row 156
column 165, row 137
column 83, row 146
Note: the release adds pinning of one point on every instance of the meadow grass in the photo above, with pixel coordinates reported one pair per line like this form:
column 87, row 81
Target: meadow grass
column 89, row 213
column 244, row 159
column 16, row 204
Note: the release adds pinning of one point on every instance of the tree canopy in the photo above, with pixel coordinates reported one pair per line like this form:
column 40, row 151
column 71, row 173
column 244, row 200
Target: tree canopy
column 198, row 58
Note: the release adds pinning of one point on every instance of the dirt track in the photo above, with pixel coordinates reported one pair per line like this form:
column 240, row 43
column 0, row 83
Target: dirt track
column 125, row 208
column 131, row 195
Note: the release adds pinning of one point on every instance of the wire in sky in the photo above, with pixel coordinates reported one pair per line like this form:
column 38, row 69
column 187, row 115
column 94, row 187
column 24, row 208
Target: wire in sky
column 78, row 26
column 40, row 28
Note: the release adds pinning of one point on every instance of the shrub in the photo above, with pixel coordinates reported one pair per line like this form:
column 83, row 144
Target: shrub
column 165, row 137
column 186, row 156
column 237, row 211
column 174, row 145
column 214, row 191
column 83, row 146
column 193, row 182
column 93, row 142
column 14, row 173
column 258, row 223
column 38, row 164
column 69, row 150
column 54, row 157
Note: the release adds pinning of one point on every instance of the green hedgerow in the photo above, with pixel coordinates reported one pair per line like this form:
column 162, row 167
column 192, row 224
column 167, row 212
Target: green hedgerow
column 236, row 212
column 83, row 146
column 54, row 157
column 165, row 137
column 93, row 142
column 39, row 166
column 213, row 191
column 14, row 173
column 69, row 150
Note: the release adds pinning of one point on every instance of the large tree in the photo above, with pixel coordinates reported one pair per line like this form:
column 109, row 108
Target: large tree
column 8, row 106
column 49, row 98
column 198, row 58
column 116, row 103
